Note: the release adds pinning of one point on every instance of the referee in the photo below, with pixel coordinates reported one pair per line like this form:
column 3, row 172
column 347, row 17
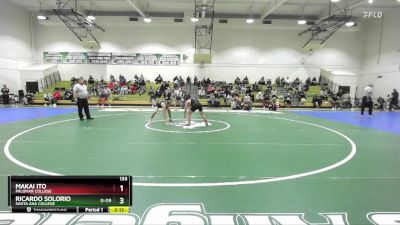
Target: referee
column 82, row 95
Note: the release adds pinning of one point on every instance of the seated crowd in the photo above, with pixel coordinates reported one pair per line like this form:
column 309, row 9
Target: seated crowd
column 240, row 95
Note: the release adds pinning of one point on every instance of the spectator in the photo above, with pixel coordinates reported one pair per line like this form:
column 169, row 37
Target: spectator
column 27, row 99
column 288, row 101
column 111, row 85
column 302, row 95
column 122, row 80
column 142, row 90
column 133, row 89
column 306, row 87
column 274, row 104
column 104, row 94
column 335, row 102
column 308, row 81
column 323, row 94
column 246, row 103
column 5, row 92
column 68, row 95
column 242, row 89
column 212, row 102
column 210, row 89
column 188, row 80
column 297, row 80
column 208, row 81
column 287, row 80
column 178, row 94
column 388, row 100
column 94, row 90
column 112, row 78
column 158, row 79
column 249, row 92
column 57, row 95
column 202, row 92
column 73, row 80
column 314, row 82
column 380, row 104
column 123, row 89
column 283, row 82
column 237, row 81
column 220, row 93
column 256, row 87
column 259, row 97
column 195, row 80
column 245, row 80
column 90, row 80
column 317, row 101
column 268, row 88
column 345, row 101
column 49, row 99
column 394, row 101
column 236, row 104
column 181, row 81
column 163, row 87
column 274, row 93
column 278, row 81
column 261, row 81
column 228, row 95
column 151, row 91
column 176, row 83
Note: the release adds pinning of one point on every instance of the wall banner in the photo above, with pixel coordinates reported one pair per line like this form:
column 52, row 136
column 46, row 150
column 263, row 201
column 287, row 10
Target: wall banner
column 112, row 58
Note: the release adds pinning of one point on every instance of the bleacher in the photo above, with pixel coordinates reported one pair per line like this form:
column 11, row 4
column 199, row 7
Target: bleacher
column 144, row 100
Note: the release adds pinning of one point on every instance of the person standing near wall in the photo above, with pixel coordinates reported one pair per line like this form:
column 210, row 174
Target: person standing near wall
column 367, row 100
column 394, row 101
column 5, row 92
column 82, row 95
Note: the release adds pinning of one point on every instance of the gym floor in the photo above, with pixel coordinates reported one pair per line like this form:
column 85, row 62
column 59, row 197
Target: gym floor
column 307, row 162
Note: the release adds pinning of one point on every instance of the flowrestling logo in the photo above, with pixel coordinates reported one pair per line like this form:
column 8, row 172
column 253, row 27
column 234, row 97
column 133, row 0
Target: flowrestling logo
column 188, row 214
column 371, row 14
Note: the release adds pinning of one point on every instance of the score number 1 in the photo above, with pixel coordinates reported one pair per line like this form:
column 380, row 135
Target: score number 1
column 123, row 179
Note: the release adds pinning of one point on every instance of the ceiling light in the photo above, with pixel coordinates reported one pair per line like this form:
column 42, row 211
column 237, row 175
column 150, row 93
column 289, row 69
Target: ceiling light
column 350, row 23
column 335, row 0
column 302, row 22
column 370, row 1
column 41, row 17
column 250, row 20
column 91, row 17
column 194, row 19
column 147, row 20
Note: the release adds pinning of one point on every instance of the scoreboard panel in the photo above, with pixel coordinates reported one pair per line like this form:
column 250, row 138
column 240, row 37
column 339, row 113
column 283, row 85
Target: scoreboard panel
column 77, row 194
